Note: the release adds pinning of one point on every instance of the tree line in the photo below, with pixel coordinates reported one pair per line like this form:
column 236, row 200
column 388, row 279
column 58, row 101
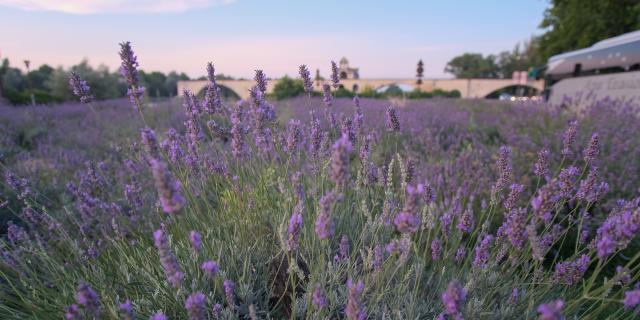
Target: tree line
column 567, row 24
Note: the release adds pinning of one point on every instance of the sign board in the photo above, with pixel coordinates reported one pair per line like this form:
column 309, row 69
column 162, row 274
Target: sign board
column 582, row 91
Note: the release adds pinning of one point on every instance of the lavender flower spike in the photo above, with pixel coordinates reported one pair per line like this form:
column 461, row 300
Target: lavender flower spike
column 355, row 309
column 295, row 226
column 340, row 161
column 592, row 150
column 168, row 187
column 306, row 78
column 129, row 71
column 325, row 226
column 335, row 79
column 261, row 81
column 569, row 138
column 167, row 259
column 80, row 88
column 159, row 316
column 195, row 305
column 392, row 120
column 453, row 298
column 127, row 310
column 328, row 98
column 482, row 252
column 229, row 287
column 89, row 300
column 551, row 310
column 318, row 299
column 210, row 268
column 196, row 241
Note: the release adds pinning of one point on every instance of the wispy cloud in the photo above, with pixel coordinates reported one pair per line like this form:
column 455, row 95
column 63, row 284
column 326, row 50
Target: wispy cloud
column 111, row 6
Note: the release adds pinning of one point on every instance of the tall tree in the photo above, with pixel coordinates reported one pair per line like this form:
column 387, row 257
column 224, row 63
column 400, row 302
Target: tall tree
column 420, row 72
column 575, row 24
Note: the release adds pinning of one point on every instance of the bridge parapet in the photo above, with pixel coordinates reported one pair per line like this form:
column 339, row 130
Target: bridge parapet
column 468, row 88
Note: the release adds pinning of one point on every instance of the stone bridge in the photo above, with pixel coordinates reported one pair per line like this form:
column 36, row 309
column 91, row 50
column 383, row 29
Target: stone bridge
column 468, row 88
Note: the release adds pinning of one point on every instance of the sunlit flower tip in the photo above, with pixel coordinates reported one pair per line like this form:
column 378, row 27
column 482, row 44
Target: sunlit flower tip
column 317, row 298
column 195, row 305
column 210, row 268
column 393, row 124
column 196, row 240
column 327, row 96
column 305, row 75
column 335, row 78
column 354, row 309
column 453, row 299
column 80, row 88
column 551, row 310
column 159, row 316
column 261, row 81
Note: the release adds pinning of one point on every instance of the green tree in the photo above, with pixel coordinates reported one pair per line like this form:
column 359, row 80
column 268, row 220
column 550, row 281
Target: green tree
column 288, row 88
column 420, row 72
column 473, row 65
column 575, row 24
column 154, row 83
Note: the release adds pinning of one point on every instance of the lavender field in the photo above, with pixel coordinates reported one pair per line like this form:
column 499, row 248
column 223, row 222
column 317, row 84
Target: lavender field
column 317, row 208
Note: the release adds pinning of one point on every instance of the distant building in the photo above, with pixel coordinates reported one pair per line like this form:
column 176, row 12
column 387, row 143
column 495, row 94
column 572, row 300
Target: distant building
column 347, row 72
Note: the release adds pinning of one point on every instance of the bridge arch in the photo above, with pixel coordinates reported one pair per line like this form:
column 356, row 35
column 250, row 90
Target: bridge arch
column 226, row 92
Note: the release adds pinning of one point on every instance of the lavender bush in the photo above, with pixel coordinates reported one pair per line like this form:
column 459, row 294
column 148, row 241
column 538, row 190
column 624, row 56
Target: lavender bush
column 357, row 209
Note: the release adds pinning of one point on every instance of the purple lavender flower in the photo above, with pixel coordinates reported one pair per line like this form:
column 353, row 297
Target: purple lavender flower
column 229, row 287
column 168, row 187
column 515, row 226
column 466, row 222
column 335, row 78
column 211, row 102
column 445, row 222
column 354, row 309
column 16, row 234
column 88, row 298
column 436, row 249
column 453, row 298
column 159, row 316
column 129, row 71
column 541, row 168
column 150, row 143
column 294, row 135
column 210, row 268
column 238, row 144
column 482, row 252
column 72, row 312
column 80, row 88
column 127, row 310
column 171, row 146
column 566, row 181
column 261, row 81
column 339, row 172
column 167, row 259
column 328, row 98
column 461, row 253
column 510, row 202
column 378, row 257
column 305, row 75
column 18, row 185
column 317, row 298
column 295, row 226
column 505, row 168
column 324, row 223
column 196, row 241
column 617, row 231
column 632, row 299
column 406, row 222
column 592, row 150
column 551, row 310
column 217, row 310
column 571, row 272
column 343, row 250
column 195, row 305
column 569, row 138
column 393, row 124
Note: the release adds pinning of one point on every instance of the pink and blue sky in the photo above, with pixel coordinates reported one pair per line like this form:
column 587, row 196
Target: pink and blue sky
column 382, row 38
